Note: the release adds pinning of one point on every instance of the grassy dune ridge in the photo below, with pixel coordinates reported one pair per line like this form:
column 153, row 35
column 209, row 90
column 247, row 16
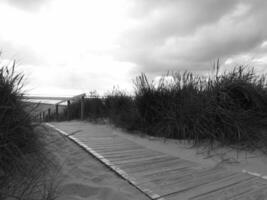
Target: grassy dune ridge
column 16, row 127
column 226, row 109
column 25, row 165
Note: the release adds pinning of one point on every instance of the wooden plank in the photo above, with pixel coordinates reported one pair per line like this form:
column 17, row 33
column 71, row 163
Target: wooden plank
column 192, row 190
column 125, row 156
column 136, row 160
column 125, row 150
column 99, row 138
column 124, row 153
column 109, row 142
column 114, row 160
column 145, row 162
column 102, row 140
column 258, row 194
column 112, row 145
column 106, row 142
column 190, row 177
column 144, row 166
column 156, row 166
column 241, row 190
column 114, row 148
column 149, row 176
column 117, row 150
column 142, row 175
column 167, row 173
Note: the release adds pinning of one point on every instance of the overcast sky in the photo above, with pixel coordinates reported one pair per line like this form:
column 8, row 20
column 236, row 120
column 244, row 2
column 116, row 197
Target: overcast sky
column 74, row 46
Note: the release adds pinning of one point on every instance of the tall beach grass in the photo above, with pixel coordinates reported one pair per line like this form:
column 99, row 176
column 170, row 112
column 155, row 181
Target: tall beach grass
column 227, row 108
column 24, row 161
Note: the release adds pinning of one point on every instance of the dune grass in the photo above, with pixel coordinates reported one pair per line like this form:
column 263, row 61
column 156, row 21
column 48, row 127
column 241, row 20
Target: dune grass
column 24, row 161
column 122, row 110
column 17, row 134
column 227, row 109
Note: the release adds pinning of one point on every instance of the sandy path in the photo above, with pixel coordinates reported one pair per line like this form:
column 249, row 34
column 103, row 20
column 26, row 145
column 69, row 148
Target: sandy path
column 85, row 178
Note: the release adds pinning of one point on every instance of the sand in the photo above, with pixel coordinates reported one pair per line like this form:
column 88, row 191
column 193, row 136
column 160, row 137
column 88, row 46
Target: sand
column 86, row 178
column 82, row 177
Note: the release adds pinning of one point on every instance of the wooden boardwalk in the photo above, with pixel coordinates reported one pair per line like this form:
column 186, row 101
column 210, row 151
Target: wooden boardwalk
column 162, row 176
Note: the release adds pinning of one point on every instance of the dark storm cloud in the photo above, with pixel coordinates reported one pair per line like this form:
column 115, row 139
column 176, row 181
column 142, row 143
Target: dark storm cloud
column 190, row 34
column 31, row 5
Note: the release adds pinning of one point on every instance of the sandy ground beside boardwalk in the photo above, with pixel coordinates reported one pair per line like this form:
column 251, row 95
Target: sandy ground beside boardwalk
column 82, row 177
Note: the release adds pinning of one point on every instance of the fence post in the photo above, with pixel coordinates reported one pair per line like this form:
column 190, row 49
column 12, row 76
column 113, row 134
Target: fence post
column 68, row 109
column 49, row 110
column 43, row 116
column 82, row 108
column 56, row 112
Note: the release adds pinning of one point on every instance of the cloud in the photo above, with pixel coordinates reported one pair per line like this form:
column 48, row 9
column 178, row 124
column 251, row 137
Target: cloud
column 109, row 42
column 23, row 54
column 170, row 17
column 30, row 5
column 190, row 34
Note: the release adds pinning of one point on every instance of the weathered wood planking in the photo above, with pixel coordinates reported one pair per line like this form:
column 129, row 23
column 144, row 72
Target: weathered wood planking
column 136, row 160
column 120, row 158
column 165, row 177
column 234, row 187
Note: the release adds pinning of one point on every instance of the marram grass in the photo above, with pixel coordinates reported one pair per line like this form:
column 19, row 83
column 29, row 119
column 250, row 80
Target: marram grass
column 24, row 163
column 229, row 108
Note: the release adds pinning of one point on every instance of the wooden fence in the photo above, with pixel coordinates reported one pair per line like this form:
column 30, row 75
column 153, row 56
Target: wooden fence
column 45, row 114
